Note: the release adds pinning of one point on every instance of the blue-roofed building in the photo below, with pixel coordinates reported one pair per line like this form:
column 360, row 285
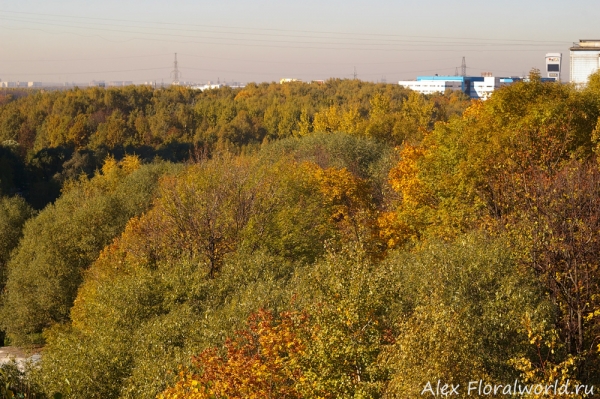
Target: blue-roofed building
column 477, row 87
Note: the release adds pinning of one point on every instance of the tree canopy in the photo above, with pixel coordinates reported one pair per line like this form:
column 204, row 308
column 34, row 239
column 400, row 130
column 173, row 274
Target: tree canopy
column 344, row 239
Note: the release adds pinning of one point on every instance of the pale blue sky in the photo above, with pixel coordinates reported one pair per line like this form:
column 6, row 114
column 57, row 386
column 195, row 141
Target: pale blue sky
column 265, row 40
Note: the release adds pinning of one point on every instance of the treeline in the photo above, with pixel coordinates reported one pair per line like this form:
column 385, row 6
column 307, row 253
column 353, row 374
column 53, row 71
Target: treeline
column 343, row 259
column 50, row 137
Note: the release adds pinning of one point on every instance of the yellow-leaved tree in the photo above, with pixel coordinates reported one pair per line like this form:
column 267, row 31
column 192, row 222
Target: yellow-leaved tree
column 519, row 164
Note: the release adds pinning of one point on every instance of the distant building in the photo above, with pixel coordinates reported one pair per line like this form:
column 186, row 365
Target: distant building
column 436, row 84
column 484, row 89
column 553, row 65
column 235, row 85
column 288, row 80
column 476, row 87
column 119, row 83
column 210, row 86
column 207, row 86
column 34, row 84
column 585, row 60
column 97, row 83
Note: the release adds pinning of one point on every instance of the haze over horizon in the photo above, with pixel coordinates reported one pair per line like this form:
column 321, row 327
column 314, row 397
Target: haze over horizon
column 263, row 40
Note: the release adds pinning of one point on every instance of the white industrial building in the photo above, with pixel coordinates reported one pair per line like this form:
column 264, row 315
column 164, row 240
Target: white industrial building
column 218, row 85
column 208, row 86
column 431, row 86
column 477, row 87
column 585, row 60
column 483, row 89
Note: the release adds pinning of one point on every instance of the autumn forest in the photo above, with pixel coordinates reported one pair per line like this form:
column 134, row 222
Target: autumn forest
column 337, row 240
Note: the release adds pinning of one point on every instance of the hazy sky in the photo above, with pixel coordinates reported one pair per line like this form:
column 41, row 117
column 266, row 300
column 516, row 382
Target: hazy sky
column 265, row 40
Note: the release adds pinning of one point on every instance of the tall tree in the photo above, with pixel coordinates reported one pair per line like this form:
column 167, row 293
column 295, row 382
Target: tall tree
column 63, row 240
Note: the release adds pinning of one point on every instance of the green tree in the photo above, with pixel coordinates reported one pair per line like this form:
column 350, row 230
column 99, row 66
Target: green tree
column 467, row 305
column 14, row 212
column 63, row 240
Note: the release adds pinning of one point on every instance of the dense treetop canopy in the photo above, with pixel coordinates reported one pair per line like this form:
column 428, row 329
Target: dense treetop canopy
column 344, row 239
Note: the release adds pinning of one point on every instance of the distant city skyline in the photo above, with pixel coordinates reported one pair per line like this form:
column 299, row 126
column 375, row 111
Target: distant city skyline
column 266, row 40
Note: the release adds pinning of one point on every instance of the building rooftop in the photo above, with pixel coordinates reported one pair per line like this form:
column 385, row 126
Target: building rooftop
column 586, row 44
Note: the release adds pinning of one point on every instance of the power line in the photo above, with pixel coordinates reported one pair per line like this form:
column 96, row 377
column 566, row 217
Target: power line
column 215, row 35
column 87, row 72
column 236, row 44
column 317, row 63
column 229, row 71
column 316, row 41
column 88, row 59
column 286, row 30
column 410, row 41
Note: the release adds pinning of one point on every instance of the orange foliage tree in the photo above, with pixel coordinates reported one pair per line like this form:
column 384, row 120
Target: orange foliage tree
column 521, row 163
column 262, row 361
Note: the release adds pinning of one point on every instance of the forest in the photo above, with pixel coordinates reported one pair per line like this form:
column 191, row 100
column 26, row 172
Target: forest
column 337, row 240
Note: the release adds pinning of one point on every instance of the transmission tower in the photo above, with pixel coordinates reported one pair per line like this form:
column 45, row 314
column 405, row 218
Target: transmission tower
column 355, row 73
column 463, row 67
column 456, row 72
column 175, row 73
